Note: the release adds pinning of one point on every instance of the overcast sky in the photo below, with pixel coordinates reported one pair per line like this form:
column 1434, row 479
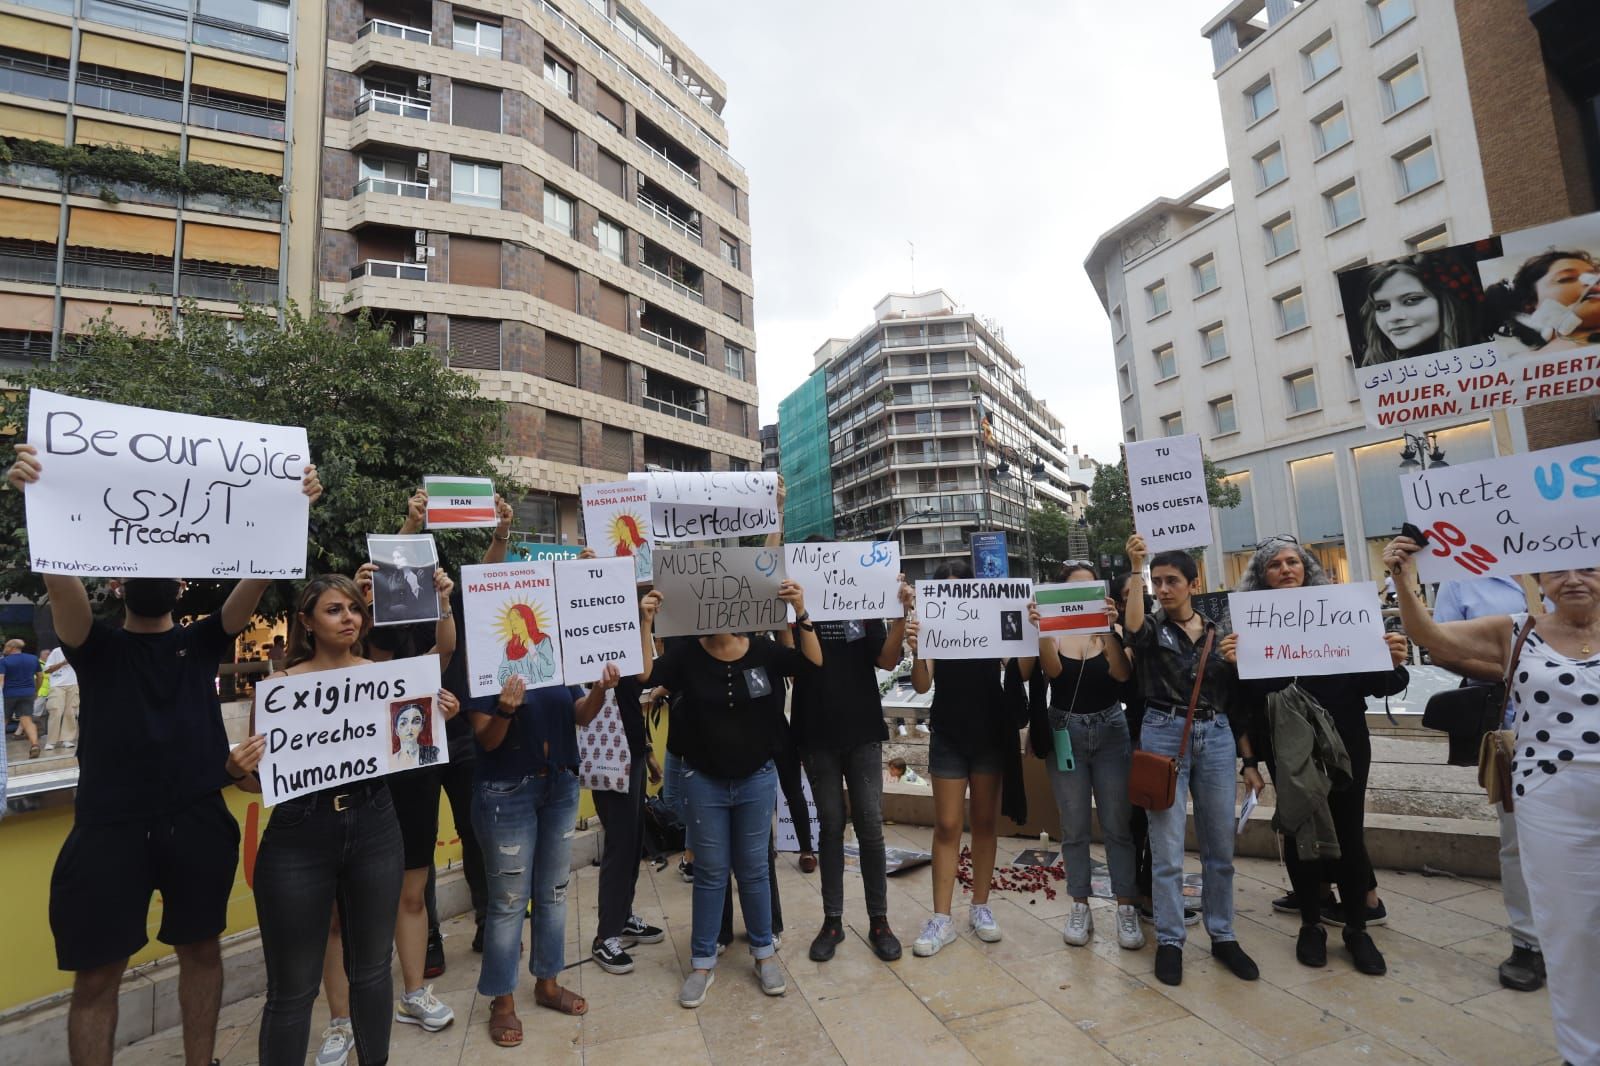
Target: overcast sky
column 1001, row 138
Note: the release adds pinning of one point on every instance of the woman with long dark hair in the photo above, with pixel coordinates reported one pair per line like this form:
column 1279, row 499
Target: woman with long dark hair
column 1552, row 302
column 1417, row 306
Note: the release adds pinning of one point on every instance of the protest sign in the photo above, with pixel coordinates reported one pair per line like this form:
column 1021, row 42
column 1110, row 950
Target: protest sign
column 528, row 551
column 510, row 622
column 460, row 503
column 616, row 522
column 1214, row 605
column 1486, row 377
column 1072, row 607
column 710, row 504
column 989, row 557
column 132, row 492
column 1519, row 514
column 331, row 727
column 403, row 590
column 845, row 580
column 787, row 839
column 597, row 611
column 718, row 590
column 975, row 619
column 1318, row 629
column 1167, row 483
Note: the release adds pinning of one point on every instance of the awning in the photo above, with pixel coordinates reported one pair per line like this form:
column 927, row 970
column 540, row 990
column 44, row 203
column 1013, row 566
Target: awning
column 129, row 55
column 119, row 232
column 93, row 131
column 236, row 78
column 32, row 313
column 45, row 38
column 222, row 154
column 29, row 220
column 224, row 244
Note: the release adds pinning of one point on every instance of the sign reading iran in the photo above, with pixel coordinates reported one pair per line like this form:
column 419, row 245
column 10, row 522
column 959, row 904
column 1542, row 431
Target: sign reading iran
column 1072, row 607
column 975, row 619
column 719, row 590
column 511, row 626
column 598, row 613
column 1167, row 483
column 132, row 492
column 711, row 504
column 616, row 522
column 1519, row 514
column 844, row 581
column 460, row 502
column 335, row 727
column 1319, row 629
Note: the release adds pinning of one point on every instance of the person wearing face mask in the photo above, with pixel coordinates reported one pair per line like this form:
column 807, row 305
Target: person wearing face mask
column 149, row 816
column 1409, row 311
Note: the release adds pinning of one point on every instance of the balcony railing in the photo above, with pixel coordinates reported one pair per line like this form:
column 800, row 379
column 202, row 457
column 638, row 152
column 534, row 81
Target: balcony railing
column 36, row 264
column 86, row 268
column 673, row 346
column 928, row 341
column 384, row 28
column 691, row 232
column 663, row 157
column 393, row 104
column 672, row 283
column 415, row 190
column 384, row 268
column 666, row 407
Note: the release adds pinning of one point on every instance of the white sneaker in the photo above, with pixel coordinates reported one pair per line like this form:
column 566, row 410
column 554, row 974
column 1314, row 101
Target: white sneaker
column 337, row 1040
column 69, row 743
column 936, row 933
column 423, row 1008
column 922, row 727
column 1129, row 936
column 1080, row 926
column 901, row 729
column 983, row 923
column 50, row 747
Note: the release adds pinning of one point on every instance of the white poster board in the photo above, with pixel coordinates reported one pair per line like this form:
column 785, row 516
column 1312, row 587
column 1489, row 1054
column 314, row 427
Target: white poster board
column 1073, row 607
column 846, row 580
column 511, row 625
column 1167, row 484
column 787, row 839
column 707, row 505
column 1519, row 514
column 975, row 619
column 616, row 522
column 460, row 503
column 132, row 492
column 1301, row 632
column 334, row 727
column 719, row 590
column 597, row 611
column 1470, row 381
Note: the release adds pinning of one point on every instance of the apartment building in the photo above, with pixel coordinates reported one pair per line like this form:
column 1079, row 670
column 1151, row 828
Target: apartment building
column 544, row 189
column 148, row 160
column 803, row 457
column 770, row 454
column 933, row 432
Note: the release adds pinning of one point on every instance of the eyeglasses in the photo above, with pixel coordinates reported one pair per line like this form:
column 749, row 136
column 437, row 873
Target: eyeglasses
column 1277, row 537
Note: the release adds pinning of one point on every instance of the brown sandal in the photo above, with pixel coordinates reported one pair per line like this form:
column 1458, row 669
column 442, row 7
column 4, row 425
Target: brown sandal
column 505, row 1028
column 565, row 1001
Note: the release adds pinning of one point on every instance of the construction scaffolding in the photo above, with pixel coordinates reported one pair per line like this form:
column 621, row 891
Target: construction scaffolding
column 804, row 460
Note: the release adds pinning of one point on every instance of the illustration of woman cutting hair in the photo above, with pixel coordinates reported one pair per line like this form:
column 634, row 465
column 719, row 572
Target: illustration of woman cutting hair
column 529, row 651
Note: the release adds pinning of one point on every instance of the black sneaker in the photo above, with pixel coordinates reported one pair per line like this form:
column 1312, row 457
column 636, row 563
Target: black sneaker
column 884, row 943
column 1233, row 957
column 1311, row 947
column 1523, row 970
column 829, row 937
column 1289, row 904
column 1364, row 952
column 477, row 940
column 1333, row 913
column 638, row 931
column 1169, row 964
column 1378, row 915
column 610, row 957
column 433, row 963
column 686, row 870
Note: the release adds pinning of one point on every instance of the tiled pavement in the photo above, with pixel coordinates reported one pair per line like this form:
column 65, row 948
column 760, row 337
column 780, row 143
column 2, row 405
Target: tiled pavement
column 1028, row 999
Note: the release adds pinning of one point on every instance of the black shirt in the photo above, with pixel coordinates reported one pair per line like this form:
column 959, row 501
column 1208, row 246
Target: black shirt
column 967, row 700
column 542, row 738
column 152, row 739
column 1165, row 661
column 1343, row 695
column 1085, row 685
column 838, row 706
column 732, row 722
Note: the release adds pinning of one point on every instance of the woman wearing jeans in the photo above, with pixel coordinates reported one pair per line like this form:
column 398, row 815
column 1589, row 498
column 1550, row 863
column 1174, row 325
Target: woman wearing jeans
column 1087, row 674
column 734, row 728
column 524, row 809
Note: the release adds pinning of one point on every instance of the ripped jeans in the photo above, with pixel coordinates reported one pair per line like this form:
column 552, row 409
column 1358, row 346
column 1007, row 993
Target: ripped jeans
column 525, row 828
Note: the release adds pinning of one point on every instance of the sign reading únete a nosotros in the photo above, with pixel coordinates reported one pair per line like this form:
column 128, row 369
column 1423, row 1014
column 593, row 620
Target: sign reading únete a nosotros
column 975, row 619
column 1318, row 629
column 718, row 590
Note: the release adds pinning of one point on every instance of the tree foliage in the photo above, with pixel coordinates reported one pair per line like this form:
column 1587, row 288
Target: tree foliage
column 378, row 418
column 1110, row 511
column 1052, row 539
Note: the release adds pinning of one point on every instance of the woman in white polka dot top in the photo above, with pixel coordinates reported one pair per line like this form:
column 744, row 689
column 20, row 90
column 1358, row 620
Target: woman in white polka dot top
column 1556, row 686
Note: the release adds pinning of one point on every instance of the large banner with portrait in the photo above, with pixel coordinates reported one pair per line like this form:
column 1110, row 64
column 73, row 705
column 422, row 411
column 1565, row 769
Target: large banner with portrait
column 1502, row 322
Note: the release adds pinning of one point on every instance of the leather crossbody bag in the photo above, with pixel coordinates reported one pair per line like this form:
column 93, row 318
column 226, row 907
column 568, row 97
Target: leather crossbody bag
column 1152, row 778
column 1497, row 749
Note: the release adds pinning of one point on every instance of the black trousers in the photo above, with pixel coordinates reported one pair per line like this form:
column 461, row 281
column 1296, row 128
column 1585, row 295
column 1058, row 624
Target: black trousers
column 622, row 817
column 456, row 775
column 794, row 794
column 1143, row 869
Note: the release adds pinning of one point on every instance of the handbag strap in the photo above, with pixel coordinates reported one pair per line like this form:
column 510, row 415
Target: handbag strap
column 1511, row 667
column 1194, row 693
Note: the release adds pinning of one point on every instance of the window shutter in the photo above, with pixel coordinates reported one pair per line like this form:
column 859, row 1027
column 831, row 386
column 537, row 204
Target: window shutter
column 475, row 343
column 559, row 140
column 608, row 105
column 560, row 359
column 732, row 303
column 563, row 439
column 614, row 377
column 613, row 307
column 611, row 173
column 560, row 284
column 475, row 107
column 616, row 449
column 474, row 261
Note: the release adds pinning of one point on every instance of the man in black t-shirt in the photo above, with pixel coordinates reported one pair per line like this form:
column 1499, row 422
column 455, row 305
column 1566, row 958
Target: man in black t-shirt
column 149, row 816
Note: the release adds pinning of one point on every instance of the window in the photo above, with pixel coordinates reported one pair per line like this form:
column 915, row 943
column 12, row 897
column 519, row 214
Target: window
column 1302, row 391
column 1403, row 86
column 1214, row 342
column 474, row 184
column 611, row 238
column 733, row 360
column 1172, row 425
column 610, row 173
column 614, row 375
column 1418, row 168
column 474, row 261
column 608, row 105
column 475, row 107
column 1389, row 15
column 1291, row 307
column 730, row 253
column 560, row 359
column 474, row 343
column 558, row 210
column 1205, row 275
column 1223, row 418
column 732, row 303
column 616, row 449
column 1260, row 101
column 1343, row 203
column 1331, row 129
column 1321, row 58
column 1117, row 328
column 1125, row 379
column 563, row 439
column 1236, row 526
column 1156, row 297
column 558, row 74
column 560, row 141
column 1166, row 362
column 476, row 36
column 1280, row 236
column 1429, row 239
column 613, row 307
column 1271, row 168
column 560, row 284
column 1130, row 434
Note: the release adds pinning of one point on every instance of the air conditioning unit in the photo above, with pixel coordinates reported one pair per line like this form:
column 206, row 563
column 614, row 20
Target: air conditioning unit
column 423, row 81
column 422, row 253
column 422, row 160
column 419, row 323
column 419, row 237
column 640, row 176
column 694, row 218
column 432, row 251
column 418, row 337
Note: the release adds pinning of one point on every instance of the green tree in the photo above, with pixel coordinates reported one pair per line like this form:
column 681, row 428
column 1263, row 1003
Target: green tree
column 1052, row 539
column 377, row 418
column 1110, row 511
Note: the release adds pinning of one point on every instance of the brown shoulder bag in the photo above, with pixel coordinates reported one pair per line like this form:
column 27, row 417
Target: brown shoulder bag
column 1497, row 749
column 1152, row 778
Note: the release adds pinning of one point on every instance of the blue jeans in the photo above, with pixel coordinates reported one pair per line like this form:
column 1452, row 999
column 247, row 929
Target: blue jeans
column 525, row 828
column 732, row 824
column 1101, row 754
column 673, row 796
column 1207, row 773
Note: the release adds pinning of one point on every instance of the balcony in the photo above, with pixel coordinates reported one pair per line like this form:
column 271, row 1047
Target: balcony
column 383, row 28
column 384, row 268
column 672, row 283
column 23, row 348
column 387, row 103
column 665, row 159
column 29, row 261
column 667, row 407
column 930, row 341
column 415, row 190
column 42, row 80
column 678, row 347
column 212, row 281
column 690, row 229
column 91, row 268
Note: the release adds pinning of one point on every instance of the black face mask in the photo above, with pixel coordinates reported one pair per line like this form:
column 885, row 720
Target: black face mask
column 151, row 597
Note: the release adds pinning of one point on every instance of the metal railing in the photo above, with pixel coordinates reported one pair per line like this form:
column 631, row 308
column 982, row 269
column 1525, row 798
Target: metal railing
column 386, row 103
column 672, row 221
column 928, row 341
column 666, row 407
column 415, row 190
column 671, row 345
column 384, row 28
column 676, row 286
column 659, row 154
column 384, row 268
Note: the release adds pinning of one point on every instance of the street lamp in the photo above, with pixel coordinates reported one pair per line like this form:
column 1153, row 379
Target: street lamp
column 1421, row 451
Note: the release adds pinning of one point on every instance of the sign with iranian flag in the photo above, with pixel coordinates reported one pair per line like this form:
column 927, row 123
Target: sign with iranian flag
column 460, row 502
column 1073, row 607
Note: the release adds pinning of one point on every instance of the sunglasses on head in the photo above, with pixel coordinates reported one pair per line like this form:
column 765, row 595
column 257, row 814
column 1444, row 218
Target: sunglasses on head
column 1275, row 538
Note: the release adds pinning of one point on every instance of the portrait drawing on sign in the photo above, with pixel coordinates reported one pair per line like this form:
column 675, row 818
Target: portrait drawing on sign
column 411, row 734
column 627, row 538
column 528, row 651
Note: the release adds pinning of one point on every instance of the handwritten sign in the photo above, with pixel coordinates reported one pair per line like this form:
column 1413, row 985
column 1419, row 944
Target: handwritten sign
column 1320, row 629
column 616, row 522
column 711, row 504
column 511, row 625
column 975, row 619
column 1167, row 483
column 1072, row 607
column 1484, row 377
column 333, row 727
column 460, row 503
column 597, row 610
column 846, row 580
column 1519, row 514
column 132, row 492
column 786, row 838
column 719, row 590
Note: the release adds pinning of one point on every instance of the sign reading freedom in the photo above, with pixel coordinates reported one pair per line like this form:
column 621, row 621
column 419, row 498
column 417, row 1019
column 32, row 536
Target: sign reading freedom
column 1432, row 388
column 719, row 590
column 131, row 492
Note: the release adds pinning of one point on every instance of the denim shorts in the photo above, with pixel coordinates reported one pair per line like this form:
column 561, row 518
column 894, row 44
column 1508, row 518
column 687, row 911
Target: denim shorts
column 949, row 760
